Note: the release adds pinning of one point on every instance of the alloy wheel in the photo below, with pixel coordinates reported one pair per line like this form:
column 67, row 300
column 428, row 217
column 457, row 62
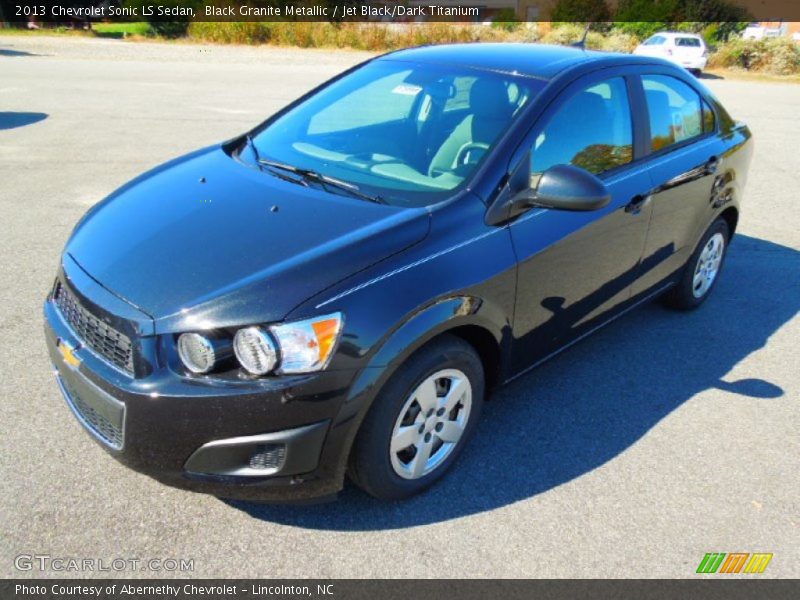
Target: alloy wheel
column 708, row 263
column 431, row 423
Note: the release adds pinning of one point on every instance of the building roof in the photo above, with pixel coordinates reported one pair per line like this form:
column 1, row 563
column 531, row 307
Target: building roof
column 533, row 60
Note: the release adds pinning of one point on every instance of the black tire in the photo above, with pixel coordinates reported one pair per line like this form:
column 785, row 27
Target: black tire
column 682, row 296
column 370, row 460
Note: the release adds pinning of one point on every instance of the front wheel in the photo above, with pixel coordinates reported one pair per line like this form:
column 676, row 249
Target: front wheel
column 420, row 422
column 702, row 270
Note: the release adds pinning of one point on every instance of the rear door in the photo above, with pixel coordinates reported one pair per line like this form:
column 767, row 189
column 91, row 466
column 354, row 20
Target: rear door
column 685, row 157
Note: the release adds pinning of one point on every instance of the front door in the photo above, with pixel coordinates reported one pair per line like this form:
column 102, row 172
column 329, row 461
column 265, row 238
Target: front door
column 577, row 268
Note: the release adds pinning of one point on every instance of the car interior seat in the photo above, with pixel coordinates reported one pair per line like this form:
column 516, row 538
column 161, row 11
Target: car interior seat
column 490, row 112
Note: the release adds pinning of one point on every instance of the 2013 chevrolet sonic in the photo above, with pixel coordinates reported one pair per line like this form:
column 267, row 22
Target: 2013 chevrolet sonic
column 334, row 292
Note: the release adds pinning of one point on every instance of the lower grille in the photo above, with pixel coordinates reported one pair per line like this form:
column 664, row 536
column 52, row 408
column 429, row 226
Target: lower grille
column 104, row 429
column 106, row 341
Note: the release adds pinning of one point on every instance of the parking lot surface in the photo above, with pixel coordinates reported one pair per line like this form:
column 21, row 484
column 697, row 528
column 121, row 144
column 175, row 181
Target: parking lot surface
column 661, row 438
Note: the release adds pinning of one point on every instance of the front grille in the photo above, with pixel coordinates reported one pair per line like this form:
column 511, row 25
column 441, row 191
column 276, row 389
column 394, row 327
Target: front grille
column 106, row 341
column 100, row 426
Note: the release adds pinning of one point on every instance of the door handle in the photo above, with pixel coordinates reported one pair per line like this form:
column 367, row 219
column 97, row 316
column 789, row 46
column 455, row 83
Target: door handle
column 637, row 203
column 712, row 165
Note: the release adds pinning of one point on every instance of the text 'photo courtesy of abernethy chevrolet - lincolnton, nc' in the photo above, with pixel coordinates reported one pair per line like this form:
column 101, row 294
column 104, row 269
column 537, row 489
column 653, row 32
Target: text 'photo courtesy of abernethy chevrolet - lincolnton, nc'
column 333, row 293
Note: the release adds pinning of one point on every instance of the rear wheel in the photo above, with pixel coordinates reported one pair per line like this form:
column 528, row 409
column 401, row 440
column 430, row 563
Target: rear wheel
column 702, row 270
column 420, row 422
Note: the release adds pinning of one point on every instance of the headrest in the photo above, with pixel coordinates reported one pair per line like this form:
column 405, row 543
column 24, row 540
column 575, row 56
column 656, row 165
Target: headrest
column 489, row 98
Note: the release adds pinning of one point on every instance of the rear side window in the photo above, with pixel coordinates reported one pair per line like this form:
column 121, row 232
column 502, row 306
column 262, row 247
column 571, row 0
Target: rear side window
column 687, row 42
column 591, row 130
column 675, row 111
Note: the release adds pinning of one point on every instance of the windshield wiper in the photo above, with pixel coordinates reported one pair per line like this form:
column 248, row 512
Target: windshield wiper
column 252, row 145
column 254, row 149
column 323, row 180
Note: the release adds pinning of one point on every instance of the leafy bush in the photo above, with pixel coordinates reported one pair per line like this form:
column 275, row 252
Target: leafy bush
column 580, row 10
column 564, row 34
column 507, row 20
column 360, row 36
column 169, row 29
column 778, row 56
column 241, row 32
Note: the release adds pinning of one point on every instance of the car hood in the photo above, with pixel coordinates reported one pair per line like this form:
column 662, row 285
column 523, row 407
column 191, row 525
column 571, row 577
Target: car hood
column 206, row 241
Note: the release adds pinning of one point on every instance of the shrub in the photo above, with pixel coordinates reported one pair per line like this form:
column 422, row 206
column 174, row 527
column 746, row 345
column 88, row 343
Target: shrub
column 359, row 36
column 507, row 20
column 564, row 34
column 773, row 55
column 169, row 29
column 580, row 10
column 231, row 32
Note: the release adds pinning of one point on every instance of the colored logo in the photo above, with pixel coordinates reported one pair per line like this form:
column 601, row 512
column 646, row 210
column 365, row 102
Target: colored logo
column 734, row 562
column 68, row 353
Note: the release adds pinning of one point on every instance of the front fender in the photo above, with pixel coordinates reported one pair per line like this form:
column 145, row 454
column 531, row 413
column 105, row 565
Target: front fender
column 448, row 314
column 433, row 320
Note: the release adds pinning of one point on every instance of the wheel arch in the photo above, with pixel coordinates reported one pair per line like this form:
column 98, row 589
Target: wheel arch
column 484, row 326
column 471, row 319
column 731, row 216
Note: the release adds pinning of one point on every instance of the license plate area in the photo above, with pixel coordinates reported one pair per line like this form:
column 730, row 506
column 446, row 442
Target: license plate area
column 99, row 412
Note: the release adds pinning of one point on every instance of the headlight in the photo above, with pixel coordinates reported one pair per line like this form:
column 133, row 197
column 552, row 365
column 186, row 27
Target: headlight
column 288, row 348
column 255, row 350
column 196, row 352
column 307, row 346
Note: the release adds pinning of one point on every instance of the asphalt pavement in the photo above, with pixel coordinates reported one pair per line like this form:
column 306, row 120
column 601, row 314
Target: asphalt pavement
column 661, row 438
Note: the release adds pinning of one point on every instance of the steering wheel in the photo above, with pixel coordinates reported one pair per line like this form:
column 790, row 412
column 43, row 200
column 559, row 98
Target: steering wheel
column 469, row 154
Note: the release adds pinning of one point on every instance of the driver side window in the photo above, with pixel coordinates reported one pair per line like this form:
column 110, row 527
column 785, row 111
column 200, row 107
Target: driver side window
column 591, row 130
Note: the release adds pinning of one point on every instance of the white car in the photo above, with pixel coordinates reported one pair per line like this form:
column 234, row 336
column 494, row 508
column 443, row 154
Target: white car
column 757, row 31
column 685, row 49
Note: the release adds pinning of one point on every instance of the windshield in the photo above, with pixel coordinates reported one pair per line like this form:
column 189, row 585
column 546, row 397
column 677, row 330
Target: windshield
column 408, row 133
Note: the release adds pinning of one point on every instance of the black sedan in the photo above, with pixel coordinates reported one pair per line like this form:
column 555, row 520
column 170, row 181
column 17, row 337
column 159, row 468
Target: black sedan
column 334, row 292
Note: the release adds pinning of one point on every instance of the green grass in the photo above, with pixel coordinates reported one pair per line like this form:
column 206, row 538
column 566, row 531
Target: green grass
column 121, row 29
column 108, row 30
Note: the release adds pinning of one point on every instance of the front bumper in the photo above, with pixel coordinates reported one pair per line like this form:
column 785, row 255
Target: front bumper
column 200, row 434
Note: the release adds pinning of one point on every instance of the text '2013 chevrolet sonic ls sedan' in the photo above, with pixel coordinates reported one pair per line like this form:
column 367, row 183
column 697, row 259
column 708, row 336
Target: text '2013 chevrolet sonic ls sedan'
column 334, row 292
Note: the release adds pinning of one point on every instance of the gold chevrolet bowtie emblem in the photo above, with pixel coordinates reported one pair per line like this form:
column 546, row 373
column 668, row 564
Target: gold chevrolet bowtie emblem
column 68, row 352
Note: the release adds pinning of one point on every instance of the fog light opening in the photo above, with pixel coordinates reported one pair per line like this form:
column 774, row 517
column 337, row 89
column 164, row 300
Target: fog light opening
column 268, row 457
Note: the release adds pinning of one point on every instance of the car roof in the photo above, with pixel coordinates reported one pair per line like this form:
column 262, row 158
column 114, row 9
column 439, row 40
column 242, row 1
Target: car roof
column 678, row 34
column 542, row 61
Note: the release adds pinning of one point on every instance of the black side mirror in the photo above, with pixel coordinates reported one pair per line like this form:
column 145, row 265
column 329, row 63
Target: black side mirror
column 565, row 187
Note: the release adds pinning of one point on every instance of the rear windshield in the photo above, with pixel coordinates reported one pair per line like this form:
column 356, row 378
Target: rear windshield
column 683, row 41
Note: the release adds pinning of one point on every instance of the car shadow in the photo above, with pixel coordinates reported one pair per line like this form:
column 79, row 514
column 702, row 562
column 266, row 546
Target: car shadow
column 588, row 405
column 707, row 75
column 12, row 53
column 12, row 120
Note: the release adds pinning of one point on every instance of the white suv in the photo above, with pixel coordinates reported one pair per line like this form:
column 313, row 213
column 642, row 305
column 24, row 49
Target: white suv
column 685, row 49
column 757, row 31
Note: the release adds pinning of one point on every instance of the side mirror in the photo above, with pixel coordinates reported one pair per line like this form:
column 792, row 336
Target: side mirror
column 565, row 187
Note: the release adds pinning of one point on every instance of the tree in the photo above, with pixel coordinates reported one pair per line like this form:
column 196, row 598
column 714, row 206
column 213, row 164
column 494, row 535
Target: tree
column 580, row 11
